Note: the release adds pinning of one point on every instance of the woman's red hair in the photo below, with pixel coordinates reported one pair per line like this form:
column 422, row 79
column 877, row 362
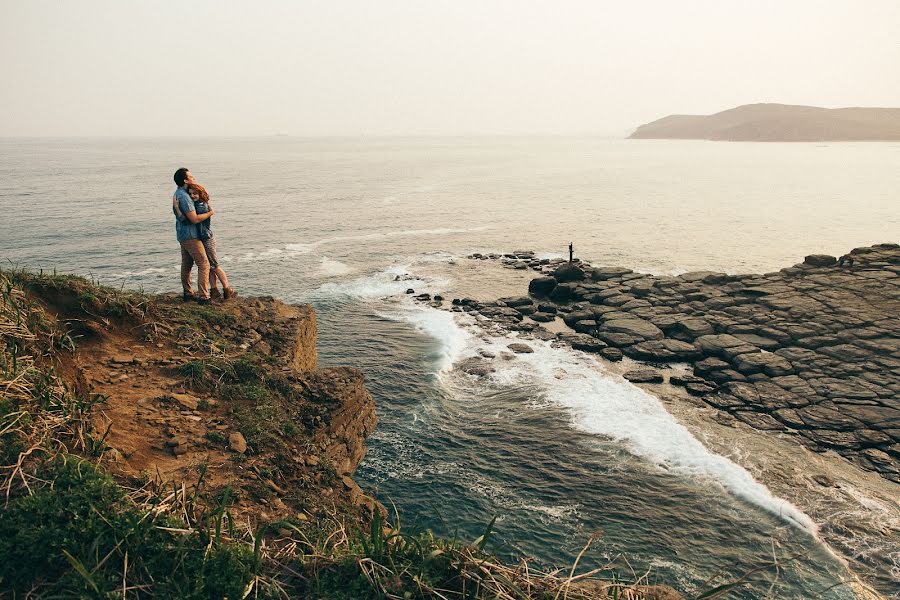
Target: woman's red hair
column 201, row 191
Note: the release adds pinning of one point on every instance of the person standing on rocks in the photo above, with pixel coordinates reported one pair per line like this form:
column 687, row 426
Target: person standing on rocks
column 186, row 231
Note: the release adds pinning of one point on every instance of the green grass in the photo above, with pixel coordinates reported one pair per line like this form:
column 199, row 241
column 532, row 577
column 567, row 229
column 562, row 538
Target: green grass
column 82, row 537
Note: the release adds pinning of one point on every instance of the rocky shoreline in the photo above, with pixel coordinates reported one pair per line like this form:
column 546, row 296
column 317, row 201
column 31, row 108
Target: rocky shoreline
column 811, row 350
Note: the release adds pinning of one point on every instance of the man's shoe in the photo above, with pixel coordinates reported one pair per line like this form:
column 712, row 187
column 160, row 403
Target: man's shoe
column 203, row 300
column 214, row 293
column 185, row 297
column 229, row 293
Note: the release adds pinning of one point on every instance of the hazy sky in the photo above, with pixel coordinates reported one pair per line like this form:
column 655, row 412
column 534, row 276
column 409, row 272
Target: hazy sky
column 221, row 67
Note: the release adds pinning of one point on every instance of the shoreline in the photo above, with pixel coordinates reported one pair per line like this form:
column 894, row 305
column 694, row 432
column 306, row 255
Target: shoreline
column 838, row 486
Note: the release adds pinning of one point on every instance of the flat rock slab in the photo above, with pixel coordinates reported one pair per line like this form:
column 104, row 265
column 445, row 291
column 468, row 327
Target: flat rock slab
column 638, row 328
column 519, row 348
column 643, row 375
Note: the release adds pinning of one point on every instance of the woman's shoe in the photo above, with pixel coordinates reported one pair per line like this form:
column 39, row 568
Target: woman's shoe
column 229, row 293
column 214, row 294
column 185, row 297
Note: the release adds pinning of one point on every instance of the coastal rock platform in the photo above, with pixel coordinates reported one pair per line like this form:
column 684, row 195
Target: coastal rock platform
column 812, row 350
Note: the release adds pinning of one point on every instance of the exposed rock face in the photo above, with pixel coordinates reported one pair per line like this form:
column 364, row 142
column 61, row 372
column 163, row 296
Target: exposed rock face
column 813, row 349
column 349, row 421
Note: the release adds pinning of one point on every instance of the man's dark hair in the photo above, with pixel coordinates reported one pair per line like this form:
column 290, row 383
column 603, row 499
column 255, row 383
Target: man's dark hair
column 181, row 176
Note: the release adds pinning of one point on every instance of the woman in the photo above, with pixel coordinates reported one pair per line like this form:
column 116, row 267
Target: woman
column 204, row 229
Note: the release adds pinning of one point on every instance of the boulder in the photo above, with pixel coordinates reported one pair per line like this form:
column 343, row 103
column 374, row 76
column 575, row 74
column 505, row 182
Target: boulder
column 563, row 292
column 541, row 286
column 690, row 328
column 568, row 272
column 520, row 348
column 585, row 326
column 820, row 260
column 237, row 443
column 583, row 342
column 611, row 354
column 643, row 375
column 517, row 301
column 542, row 317
column 635, row 327
column 475, row 366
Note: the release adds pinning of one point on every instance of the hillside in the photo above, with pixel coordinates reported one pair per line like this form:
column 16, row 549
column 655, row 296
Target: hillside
column 778, row 123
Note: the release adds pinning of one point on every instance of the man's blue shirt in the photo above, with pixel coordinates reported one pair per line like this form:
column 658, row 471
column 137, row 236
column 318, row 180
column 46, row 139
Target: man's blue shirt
column 184, row 229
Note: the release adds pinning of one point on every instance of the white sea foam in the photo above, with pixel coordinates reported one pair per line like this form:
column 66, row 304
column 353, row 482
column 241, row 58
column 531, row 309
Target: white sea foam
column 440, row 325
column 333, row 268
column 602, row 404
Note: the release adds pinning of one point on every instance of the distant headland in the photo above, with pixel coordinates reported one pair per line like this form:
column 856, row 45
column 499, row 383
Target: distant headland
column 778, row 123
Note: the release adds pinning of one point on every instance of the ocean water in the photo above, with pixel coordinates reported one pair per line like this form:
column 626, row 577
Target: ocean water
column 554, row 444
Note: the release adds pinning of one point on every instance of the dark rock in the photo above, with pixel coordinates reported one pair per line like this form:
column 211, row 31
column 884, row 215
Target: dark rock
column 666, row 350
column 611, row 354
column 568, row 272
column 638, row 328
column 763, row 362
column 710, row 364
column 541, row 317
column 820, row 260
column 541, row 286
column 604, row 273
column 475, row 366
column 583, row 342
column 563, row 292
column 517, row 301
column 585, row 326
column 643, row 375
column 520, row 348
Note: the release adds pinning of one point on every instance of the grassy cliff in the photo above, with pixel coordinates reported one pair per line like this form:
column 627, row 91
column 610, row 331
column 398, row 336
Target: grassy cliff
column 154, row 449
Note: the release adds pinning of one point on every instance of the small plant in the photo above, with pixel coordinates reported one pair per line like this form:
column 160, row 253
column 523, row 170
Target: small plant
column 216, row 437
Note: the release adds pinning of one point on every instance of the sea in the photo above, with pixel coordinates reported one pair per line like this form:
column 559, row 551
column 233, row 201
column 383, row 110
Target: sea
column 566, row 455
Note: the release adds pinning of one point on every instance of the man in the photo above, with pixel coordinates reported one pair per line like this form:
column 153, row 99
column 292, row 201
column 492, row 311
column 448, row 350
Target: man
column 186, row 219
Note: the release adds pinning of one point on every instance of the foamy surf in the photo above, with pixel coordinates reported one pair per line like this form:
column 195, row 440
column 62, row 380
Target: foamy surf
column 599, row 403
column 333, row 268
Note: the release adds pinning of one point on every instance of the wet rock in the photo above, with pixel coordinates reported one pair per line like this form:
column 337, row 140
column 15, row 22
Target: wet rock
column 520, row 348
column 541, row 317
column 638, row 328
column 763, row 362
column 567, row 272
column 583, row 342
column 666, row 350
column 611, row 354
column 541, row 287
column 475, row 366
column 643, row 375
column 604, row 273
column 517, row 301
column 820, row 260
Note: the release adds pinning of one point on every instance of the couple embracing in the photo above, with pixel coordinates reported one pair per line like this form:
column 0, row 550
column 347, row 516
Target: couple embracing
column 193, row 211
